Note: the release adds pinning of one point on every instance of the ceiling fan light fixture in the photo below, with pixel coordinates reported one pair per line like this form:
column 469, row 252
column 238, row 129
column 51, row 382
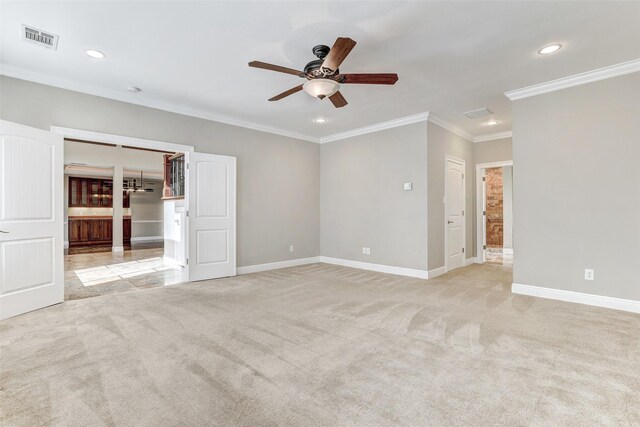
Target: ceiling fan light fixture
column 321, row 88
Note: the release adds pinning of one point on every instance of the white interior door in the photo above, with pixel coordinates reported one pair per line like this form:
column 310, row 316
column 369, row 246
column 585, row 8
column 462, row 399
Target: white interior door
column 31, row 219
column 454, row 213
column 211, row 202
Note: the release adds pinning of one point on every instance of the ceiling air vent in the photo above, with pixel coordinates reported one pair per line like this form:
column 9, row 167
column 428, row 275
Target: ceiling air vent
column 481, row 112
column 39, row 37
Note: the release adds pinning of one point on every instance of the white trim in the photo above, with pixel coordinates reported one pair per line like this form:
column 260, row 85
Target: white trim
column 469, row 261
column 507, row 251
column 575, row 80
column 117, row 248
column 380, row 268
column 493, row 136
column 120, row 140
column 451, row 128
column 139, row 99
column 66, row 244
column 147, row 239
column 480, row 202
column 453, row 159
column 577, row 297
column 276, row 265
column 416, row 118
column 436, row 272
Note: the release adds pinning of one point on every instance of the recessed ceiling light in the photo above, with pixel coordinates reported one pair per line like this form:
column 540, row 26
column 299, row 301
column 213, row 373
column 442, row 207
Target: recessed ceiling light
column 133, row 89
column 550, row 49
column 491, row 122
column 320, row 120
column 95, row 54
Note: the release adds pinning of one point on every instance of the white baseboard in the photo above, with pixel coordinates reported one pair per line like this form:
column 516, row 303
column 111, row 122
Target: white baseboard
column 436, row 272
column 507, row 251
column 117, row 248
column 276, row 265
column 66, row 244
column 147, row 239
column 469, row 261
column 380, row 268
column 577, row 297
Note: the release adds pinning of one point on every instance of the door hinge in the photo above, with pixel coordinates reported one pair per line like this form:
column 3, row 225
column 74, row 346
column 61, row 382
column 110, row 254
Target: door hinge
column 462, row 213
column 484, row 246
column 187, row 166
column 484, row 213
column 484, row 179
column 187, row 214
column 462, row 250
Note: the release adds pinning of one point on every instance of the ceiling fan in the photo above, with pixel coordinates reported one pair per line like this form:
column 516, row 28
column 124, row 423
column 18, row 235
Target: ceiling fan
column 323, row 76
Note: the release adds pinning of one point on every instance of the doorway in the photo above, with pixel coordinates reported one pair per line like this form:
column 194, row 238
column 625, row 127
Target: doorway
column 32, row 211
column 495, row 213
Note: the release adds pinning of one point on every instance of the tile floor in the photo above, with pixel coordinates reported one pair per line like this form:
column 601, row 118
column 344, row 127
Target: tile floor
column 496, row 256
column 93, row 274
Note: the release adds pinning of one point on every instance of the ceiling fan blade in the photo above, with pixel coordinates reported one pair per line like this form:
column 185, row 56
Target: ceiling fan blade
column 278, row 68
column 338, row 100
column 338, row 53
column 368, row 79
column 286, row 93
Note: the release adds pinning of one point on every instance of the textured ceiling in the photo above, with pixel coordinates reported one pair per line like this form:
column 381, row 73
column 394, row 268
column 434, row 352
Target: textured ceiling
column 451, row 57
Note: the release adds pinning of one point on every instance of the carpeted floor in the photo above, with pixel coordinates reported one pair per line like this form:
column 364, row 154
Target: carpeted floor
column 322, row 345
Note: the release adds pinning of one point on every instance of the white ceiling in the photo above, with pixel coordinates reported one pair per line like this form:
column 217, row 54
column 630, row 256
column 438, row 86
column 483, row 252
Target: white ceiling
column 451, row 57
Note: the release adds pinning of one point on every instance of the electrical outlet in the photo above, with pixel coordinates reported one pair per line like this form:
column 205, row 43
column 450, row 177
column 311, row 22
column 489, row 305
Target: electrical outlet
column 408, row 186
column 290, row 248
column 364, row 250
column 368, row 251
column 589, row 274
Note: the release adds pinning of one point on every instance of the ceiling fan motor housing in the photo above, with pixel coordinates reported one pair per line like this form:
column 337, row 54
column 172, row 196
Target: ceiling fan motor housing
column 314, row 68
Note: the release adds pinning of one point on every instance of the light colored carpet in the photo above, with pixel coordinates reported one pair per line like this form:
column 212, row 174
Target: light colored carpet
column 322, row 345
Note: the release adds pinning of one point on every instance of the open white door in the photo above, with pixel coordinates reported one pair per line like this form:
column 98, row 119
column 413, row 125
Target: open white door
column 211, row 210
column 454, row 213
column 31, row 219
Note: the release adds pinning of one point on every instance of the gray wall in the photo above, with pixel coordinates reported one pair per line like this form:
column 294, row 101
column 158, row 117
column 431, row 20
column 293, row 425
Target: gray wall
column 440, row 143
column 363, row 201
column 278, row 177
column 577, row 188
column 498, row 150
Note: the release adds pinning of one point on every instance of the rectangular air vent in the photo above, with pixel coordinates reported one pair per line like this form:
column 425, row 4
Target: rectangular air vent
column 481, row 112
column 39, row 37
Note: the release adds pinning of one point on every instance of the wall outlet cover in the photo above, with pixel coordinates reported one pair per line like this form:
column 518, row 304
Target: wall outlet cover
column 290, row 248
column 408, row 186
column 589, row 274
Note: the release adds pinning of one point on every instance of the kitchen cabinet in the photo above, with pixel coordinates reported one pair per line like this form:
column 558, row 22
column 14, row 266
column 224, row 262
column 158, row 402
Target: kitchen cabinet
column 93, row 193
column 96, row 231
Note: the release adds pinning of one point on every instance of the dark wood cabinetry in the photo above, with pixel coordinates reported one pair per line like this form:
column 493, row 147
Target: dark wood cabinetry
column 93, row 193
column 96, row 231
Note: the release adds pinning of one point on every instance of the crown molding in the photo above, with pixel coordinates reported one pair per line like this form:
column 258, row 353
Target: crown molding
column 493, row 136
column 451, row 128
column 136, row 99
column 421, row 117
column 575, row 80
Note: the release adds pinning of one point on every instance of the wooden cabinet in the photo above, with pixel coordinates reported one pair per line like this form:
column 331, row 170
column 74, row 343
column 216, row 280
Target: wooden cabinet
column 96, row 231
column 93, row 193
column 126, row 230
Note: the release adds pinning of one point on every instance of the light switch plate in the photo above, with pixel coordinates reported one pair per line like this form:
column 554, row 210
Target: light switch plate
column 408, row 186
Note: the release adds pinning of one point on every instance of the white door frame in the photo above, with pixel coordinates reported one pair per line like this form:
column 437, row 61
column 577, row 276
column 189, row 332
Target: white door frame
column 448, row 158
column 120, row 140
column 480, row 206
